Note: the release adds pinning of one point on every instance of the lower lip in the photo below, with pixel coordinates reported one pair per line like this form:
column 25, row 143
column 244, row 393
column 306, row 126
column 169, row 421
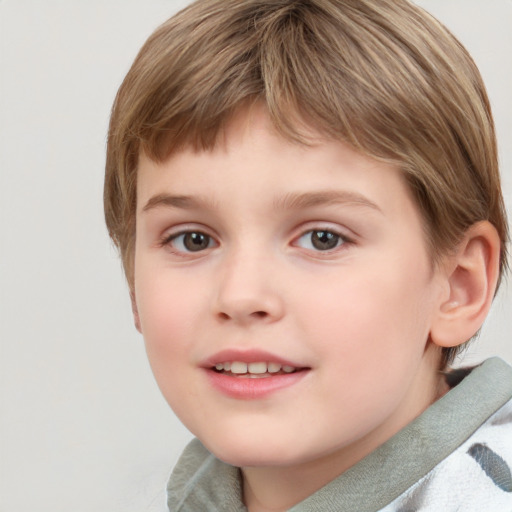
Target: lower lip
column 247, row 388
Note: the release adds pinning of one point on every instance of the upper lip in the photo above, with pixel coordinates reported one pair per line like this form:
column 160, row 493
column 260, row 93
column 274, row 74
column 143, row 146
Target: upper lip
column 247, row 356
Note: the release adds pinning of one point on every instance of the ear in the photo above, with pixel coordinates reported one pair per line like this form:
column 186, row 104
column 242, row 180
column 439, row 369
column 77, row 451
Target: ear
column 135, row 311
column 470, row 274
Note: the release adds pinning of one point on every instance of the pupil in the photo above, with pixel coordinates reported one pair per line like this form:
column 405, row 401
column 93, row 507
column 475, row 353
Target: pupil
column 324, row 240
column 196, row 241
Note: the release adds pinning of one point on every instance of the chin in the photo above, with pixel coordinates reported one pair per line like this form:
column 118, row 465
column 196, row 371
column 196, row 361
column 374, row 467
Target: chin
column 256, row 459
column 250, row 452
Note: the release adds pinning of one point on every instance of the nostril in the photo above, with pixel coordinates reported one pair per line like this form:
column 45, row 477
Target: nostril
column 254, row 315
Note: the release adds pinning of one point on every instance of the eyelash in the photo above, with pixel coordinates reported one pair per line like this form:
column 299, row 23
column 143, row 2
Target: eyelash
column 329, row 236
column 168, row 240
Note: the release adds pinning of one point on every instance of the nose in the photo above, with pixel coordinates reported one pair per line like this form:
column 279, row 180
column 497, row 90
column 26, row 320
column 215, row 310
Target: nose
column 248, row 291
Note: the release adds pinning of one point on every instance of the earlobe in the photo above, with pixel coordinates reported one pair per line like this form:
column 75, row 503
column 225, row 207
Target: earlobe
column 471, row 275
column 135, row 311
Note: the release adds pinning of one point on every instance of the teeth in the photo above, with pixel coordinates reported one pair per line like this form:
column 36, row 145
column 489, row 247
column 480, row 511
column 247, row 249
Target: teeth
column 273, row 367
column 258, row 368
column 238, row 367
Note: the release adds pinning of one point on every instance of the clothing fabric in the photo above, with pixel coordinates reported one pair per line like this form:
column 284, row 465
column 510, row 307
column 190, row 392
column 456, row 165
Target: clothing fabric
column 456, row 456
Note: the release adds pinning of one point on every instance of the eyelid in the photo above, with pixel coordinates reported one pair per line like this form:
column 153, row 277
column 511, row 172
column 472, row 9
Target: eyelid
column 345, row 233
column 312, row 231
column 345, row 239
column 173, row 231
column 165, row 241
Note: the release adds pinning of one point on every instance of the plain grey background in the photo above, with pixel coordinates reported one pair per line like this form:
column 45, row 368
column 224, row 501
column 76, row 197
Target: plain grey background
column 83, row 427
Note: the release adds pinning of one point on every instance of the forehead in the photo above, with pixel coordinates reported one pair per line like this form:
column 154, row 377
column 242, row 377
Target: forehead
column 252, row 159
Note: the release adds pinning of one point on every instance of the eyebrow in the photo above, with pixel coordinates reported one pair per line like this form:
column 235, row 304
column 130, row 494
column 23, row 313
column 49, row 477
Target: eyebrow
column 291, row 201
column 311, row 199
column 183, row 202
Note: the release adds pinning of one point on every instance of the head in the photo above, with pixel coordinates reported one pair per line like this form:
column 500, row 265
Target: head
column 383, row 77
column 237, row 111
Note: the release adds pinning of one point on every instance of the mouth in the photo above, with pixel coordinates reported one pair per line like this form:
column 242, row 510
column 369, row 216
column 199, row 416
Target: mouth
column 254, row 370
column 252, row 374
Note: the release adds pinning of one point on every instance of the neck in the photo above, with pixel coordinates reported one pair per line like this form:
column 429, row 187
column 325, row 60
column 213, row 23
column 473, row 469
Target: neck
column 276, row 489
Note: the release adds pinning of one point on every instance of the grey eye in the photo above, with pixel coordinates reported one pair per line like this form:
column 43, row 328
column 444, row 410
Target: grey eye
column 320, row 240
column 192, row 241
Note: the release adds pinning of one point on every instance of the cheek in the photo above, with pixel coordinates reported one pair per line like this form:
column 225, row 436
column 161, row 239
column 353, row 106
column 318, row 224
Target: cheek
column 163, row 300
column 369, row 337
column 371, row 315
column 169, row 333
column 166, row 324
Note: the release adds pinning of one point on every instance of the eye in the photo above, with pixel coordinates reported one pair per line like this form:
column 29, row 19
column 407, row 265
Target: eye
column 190, row 241
column 320, row 240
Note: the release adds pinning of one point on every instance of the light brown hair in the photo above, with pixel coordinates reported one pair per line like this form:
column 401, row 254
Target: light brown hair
column 381, row 75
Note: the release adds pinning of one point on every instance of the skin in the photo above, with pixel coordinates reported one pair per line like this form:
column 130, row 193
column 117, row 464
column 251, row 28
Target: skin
column 358, row 316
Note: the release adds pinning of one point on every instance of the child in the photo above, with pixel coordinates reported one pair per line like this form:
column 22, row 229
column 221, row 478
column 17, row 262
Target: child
column 306, row 198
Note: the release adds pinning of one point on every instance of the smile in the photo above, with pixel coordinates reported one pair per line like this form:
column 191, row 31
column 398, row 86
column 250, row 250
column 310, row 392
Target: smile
column 254, row 369
column 252, row 374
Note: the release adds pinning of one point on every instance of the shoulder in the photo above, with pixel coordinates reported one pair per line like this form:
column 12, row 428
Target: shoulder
column 474, row 477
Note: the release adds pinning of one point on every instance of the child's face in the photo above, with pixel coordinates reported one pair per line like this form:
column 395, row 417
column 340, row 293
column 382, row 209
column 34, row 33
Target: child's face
column 264, row 251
